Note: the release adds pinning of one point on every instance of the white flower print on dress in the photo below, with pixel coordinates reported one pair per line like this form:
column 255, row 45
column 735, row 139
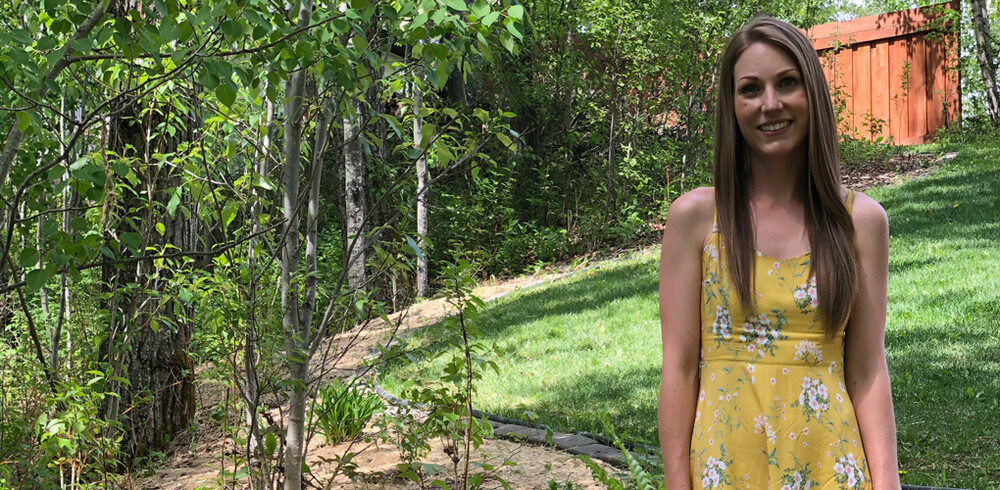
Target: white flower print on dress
column 809, row 352
column 814, row 399
column 848, row 472
column 761, row 334
column 761, row 426
column 711, row 251
column 805, row 296
column 723, row 325
column 714, row 475
column 798, row 479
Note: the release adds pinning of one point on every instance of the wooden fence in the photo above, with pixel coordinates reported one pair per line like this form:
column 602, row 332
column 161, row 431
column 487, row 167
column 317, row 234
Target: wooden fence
column 893, row 75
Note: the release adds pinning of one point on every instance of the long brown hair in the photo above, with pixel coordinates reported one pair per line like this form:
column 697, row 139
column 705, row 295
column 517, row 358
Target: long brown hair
column 833, row 256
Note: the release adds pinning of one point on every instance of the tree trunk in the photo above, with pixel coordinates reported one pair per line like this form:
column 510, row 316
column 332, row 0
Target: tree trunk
column 418, row 127
column 984, row 53
column 297, row 362
column 354, row 183
column 147, row 341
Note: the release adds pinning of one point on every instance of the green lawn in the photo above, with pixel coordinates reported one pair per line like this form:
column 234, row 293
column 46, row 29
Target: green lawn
column 589, row 345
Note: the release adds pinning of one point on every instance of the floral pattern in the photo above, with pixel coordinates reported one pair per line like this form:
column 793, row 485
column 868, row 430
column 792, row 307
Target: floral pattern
column 723, row 325
column 761, row 335
column 849, row 472
column 805, row 295
column 714, row 475
column 798, row 479
column 772, row 384
column 814, row 399
column 808, row 352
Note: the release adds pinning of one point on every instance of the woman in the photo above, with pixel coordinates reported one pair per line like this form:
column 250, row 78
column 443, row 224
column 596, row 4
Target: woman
column 785, row 383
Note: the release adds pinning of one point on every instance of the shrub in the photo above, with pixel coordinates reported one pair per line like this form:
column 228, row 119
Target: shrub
column 342, row 411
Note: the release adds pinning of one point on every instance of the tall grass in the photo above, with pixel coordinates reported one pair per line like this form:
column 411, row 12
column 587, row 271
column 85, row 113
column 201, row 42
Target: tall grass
column 589, row 345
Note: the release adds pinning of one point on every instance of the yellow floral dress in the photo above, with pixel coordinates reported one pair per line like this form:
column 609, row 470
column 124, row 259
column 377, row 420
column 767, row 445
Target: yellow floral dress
column 773, row 411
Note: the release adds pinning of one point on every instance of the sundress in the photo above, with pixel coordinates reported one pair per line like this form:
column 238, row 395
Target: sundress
column 773, row 410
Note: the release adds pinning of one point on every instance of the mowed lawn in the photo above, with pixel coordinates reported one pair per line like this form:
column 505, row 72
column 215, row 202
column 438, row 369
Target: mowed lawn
column 588, row 347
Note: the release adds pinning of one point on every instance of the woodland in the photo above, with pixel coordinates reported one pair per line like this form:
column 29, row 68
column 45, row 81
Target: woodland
column 220, row 186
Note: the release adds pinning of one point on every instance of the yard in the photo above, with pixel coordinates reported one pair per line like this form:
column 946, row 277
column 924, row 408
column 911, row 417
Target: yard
column 587, row 347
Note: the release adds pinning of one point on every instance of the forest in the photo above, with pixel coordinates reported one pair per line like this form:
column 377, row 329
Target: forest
column 216, row 188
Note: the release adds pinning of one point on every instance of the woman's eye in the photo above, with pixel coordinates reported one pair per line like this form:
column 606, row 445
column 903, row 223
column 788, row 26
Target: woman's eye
column 789, row 82
column 749, row 88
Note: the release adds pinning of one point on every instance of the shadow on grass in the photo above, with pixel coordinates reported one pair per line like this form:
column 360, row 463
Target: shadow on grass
column 589, row 290
column 580, row 405
column 961, row 202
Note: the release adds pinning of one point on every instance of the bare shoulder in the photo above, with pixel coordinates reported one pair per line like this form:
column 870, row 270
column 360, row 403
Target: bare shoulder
column 871, row 231
column 695, row 206
column 692, row 213
column 869, row 217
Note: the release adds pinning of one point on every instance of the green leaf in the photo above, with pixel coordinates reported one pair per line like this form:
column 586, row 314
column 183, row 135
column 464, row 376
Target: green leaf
column 507, row 42
column 507, row 143
column 516, row 11
column 491, row 18
column 23, row 120
column 270, row 443
column 413, row 246
column 131, row 240
column 229, row 211
column 481, row 8
column 232, row 29
column 36, row 279
column 21, row 36
column 45, row 43
column 161, row 229
column 50, row 227
column 457, row 5
column 79, row 223
column 226, row 95
column 29, row 258
column 426, row 133
column 513, row 30
column 444, row 155
column 174, row 201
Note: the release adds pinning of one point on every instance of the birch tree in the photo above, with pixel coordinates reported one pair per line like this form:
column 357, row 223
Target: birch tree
column 985, row 56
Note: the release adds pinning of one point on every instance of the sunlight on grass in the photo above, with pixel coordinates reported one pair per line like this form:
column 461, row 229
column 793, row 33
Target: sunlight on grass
column 589, row 345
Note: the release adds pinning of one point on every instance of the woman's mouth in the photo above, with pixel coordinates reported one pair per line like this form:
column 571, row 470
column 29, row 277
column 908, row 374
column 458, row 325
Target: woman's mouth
column 770, row 128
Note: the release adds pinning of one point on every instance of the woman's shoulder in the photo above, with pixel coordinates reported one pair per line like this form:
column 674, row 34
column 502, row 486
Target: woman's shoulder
column 871, row 227
column 867, row 213
column 692, row 215
column 694, row 207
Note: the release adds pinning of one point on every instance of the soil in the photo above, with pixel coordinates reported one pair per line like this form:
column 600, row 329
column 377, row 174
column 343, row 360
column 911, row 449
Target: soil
column 197, row 458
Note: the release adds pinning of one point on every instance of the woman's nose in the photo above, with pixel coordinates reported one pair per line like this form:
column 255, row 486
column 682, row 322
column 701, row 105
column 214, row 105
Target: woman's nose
column 771, row 101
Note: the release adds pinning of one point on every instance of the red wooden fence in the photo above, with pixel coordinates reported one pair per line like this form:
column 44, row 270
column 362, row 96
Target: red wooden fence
column 893, row 74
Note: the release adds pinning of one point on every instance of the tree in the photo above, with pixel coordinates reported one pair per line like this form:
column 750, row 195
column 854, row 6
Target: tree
column 985, row 57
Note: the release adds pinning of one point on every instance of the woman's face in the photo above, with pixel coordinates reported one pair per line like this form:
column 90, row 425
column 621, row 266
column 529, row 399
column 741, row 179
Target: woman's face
column 770, row 102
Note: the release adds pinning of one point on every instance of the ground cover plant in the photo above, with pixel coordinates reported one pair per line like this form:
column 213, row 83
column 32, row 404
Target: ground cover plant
column 587, row 347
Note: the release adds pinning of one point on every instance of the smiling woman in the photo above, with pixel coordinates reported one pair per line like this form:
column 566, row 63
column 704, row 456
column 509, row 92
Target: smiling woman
column 760, row 279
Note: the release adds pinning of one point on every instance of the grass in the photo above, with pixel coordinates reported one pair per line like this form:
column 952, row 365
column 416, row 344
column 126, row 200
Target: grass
column 588, row 346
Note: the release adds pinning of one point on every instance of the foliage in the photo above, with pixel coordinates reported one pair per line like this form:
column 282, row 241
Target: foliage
column 342, row 410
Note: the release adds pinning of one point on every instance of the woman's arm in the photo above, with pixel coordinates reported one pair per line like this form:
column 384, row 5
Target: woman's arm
column 689, row 221
column 865, row 366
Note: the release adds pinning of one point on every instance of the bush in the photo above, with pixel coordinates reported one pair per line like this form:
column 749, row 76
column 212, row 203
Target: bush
column 342, row 411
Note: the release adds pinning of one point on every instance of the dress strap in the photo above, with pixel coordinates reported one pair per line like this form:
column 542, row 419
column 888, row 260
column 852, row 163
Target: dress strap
column 849, row 201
